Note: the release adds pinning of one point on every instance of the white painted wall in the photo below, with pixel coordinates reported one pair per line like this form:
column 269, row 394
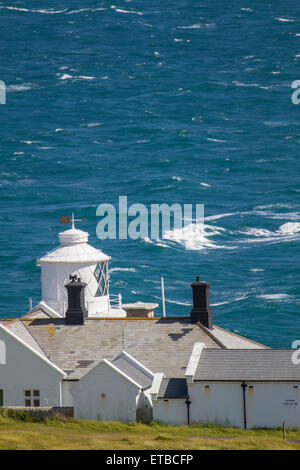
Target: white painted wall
column 170, row 411
column 267, row 404
column 26, row 370
column 67, row 397
column 104, row 395
column 56, row 275
column 222, row 404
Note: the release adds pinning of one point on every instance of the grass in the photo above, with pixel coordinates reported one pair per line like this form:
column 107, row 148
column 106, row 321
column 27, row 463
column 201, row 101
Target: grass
column 18, row 432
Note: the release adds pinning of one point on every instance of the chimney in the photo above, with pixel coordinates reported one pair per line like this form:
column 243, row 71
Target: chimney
column 201, row 310
column 76, row 306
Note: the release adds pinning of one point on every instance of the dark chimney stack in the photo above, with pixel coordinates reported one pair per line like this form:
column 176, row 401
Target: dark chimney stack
column 76, row 307
column 201, row 310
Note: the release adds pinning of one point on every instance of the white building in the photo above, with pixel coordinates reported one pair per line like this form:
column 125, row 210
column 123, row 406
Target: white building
column 110, row 366
column 232, row 387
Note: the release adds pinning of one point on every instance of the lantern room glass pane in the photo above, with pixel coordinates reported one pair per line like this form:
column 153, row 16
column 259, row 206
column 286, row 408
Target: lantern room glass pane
column 97, row 272
column 100, row 274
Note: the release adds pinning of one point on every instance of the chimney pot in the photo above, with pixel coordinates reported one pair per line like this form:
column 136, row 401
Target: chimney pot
column 201, row 311
column 76, row 311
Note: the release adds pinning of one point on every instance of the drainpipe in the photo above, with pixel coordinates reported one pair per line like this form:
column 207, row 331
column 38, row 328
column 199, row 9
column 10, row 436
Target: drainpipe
column 188, row 403
column 244, row 386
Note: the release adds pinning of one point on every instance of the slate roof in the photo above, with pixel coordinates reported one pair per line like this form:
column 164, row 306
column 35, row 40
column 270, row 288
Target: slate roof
column 160, row 344
column 234, row 341
column 144, row 380
column 173, row 388
column 21, row 331
column 247, row 364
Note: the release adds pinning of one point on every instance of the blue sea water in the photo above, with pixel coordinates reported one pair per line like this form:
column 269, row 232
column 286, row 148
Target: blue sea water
column 181, row 101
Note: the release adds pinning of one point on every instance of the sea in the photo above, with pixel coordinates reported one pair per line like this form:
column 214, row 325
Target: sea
column 187, row 102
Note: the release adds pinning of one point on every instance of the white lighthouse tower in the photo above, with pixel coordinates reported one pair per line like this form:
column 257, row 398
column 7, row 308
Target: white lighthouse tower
column 75, row 256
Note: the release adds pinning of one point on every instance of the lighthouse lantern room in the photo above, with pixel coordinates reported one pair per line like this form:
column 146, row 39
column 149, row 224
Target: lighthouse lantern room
column 73, row 257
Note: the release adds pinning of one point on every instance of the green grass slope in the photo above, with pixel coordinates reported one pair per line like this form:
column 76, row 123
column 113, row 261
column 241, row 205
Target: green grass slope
column 18, row 432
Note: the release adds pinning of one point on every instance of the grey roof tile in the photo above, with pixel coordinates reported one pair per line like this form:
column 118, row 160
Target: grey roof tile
column 133, row 372
column 101, row 339
column 173, row 388
column 247, row 364
column 20, row 330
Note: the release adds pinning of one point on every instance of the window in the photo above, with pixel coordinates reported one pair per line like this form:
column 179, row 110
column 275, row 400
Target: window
column 32, row 398
column 100, row 274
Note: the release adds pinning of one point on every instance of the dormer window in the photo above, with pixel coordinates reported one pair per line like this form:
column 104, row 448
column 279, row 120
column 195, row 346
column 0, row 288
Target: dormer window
column 101, row 276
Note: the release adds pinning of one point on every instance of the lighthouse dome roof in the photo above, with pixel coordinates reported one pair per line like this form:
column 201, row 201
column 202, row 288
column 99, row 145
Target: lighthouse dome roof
column 73, row 236
column 74, row 249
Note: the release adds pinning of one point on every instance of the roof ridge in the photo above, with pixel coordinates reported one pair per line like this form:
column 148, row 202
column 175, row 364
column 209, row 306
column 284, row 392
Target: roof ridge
column 211, row 335
column 242, row 337
column 34, row 339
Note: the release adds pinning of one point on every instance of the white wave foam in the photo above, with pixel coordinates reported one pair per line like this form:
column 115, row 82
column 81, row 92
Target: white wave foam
column 195, row 236
column 240, row 84
column 291, row 216
column 205, row 185
column 131, row 270
column 176, row 302
column 215, row 140
column 85, row 77
column 219, row 303
column 255, row 270
column 155, row 242
column 271, row 206
column 65, row 76
column 187, row 304
column 257, row 232
column 15, row 8
column 286, row 232
column 74, row 12
column 177, row 178
column 23, row 87
column 284, row 20
column 237, row 299
column 274, row 296
column 219, row 216
column 94, row 124
column 49, row 11
column 290, row 228
column 119, row 10
column 197, row 26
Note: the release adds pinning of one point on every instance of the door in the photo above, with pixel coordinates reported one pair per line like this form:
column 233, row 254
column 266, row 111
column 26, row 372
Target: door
column 1, row 397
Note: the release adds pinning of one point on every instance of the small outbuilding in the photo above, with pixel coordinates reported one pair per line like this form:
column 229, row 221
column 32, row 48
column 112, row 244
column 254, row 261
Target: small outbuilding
column 114, row 390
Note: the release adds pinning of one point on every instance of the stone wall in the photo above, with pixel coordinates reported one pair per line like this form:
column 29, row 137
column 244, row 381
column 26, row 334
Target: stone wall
column 43, row 412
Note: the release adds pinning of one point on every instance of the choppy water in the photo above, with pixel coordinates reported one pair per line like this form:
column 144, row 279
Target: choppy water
column 178, row 101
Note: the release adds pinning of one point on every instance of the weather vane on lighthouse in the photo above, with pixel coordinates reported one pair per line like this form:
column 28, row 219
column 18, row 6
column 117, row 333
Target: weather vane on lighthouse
column 66, row 220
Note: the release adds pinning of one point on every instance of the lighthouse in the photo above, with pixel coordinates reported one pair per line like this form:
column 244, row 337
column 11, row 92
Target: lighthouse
column 75, row 257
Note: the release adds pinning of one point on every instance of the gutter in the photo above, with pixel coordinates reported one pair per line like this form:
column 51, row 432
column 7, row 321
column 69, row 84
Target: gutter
column 244, row 386
column 188, row 403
